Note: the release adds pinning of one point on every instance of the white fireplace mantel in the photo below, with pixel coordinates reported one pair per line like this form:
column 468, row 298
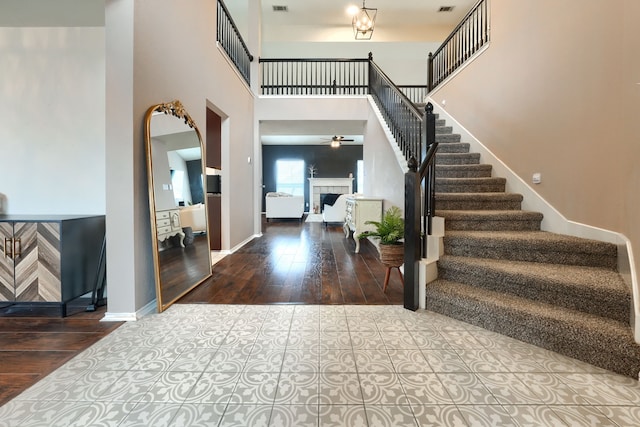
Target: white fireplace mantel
column 319, row 186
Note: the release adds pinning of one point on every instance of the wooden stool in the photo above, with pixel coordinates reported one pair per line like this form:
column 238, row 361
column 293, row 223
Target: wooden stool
column 388, row 274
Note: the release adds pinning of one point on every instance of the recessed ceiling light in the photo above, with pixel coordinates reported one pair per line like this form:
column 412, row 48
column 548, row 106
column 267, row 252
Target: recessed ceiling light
column 280, row 8
column 446, row 8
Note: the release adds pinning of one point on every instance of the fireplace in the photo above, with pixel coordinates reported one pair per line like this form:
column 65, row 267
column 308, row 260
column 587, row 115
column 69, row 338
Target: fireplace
column 327, row 198
column 318, row 186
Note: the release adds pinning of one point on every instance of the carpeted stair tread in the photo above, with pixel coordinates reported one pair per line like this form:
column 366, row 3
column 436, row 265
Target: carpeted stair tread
column 457, row 158
column 600, row 341
column 448, row 137
column 490, row 219
column 534, row 246
column 470, row 185
column 593, row 290
column 454, row 147
column 443, row 129
column 478, row 201
column 488, row 215
column 463, row 171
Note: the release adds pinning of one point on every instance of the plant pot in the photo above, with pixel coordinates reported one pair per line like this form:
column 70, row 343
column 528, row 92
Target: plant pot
column 392, row 255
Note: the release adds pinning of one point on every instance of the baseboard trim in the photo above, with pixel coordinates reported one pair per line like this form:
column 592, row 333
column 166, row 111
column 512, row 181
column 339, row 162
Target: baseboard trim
column 244, row 242
column 150, row 308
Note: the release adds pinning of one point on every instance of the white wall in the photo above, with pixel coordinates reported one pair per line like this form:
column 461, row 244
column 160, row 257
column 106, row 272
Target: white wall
column 383, row 173
column 557, row 93
column 159, row 51
column 162, row 184
column 52, row 124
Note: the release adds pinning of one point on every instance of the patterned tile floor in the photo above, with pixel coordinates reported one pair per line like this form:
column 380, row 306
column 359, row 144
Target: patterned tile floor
column 301, row 365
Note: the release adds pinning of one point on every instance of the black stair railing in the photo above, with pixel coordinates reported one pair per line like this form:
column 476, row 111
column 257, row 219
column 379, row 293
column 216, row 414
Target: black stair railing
column 402, row 116
column 471, row 34
column 231, row 41
column 415, row 93
column 419, row 210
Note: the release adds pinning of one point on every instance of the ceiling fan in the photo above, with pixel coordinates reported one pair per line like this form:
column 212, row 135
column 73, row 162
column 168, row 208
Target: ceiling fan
column 336, row 141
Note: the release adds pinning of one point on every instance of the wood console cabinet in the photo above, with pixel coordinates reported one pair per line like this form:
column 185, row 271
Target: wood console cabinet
column 358, row 211
column 49, row 259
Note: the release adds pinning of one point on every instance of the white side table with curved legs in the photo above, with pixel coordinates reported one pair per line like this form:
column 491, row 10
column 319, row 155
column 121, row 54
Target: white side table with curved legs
column 359, row 210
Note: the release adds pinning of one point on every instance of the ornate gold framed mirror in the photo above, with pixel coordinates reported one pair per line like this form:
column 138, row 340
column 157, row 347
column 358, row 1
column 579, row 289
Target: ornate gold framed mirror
column 177, row 202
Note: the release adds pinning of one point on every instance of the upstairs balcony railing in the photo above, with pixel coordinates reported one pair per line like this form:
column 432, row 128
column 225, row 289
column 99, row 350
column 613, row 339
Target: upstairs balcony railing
column 314, row 76
column 471, row 34
column 231, row 41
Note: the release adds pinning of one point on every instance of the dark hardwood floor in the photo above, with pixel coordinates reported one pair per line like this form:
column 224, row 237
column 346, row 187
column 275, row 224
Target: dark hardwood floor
column 36, row 341
column 300, row 263
column 292, row 262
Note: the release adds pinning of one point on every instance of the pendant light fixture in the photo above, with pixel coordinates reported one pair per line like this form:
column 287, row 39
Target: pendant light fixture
column 363, row 22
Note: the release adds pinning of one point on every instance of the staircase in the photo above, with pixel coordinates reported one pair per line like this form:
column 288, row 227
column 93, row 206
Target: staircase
column 499, row 271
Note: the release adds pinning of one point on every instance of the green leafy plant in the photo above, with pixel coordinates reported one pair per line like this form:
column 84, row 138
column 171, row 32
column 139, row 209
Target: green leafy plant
column 390, row 229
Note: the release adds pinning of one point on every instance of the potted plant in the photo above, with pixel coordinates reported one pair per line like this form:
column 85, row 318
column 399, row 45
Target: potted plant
column 390, row 231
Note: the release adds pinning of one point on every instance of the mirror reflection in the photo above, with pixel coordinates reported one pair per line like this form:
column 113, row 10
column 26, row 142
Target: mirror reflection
column 177, row 195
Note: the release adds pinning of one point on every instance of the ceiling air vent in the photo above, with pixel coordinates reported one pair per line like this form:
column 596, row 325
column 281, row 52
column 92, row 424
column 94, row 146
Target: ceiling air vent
column 446, row 8
column 280, row 8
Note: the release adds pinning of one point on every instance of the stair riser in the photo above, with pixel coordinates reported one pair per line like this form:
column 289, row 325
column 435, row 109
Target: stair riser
column 470, row 171
column 458, row 159
column 453, row 147
column 450, row 137
column 467, row 188
column 614, row 306
column 522, row 326
column 487, row 225
column 474, row 205
column 444, row 130
column 521, row 251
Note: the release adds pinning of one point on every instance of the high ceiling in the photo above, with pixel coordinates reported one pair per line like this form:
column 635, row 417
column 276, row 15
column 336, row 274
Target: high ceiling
column 396, row 20
column 393, row 16
column 303, row 20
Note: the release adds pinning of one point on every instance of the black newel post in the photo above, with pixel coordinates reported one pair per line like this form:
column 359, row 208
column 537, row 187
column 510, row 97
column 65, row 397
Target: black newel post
column 411, row 236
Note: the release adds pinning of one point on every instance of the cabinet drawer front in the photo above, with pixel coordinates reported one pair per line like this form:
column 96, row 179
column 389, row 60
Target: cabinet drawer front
column 7, row 288
column 162, row 215
column 164, row 222
column 164, row 230
column 38, row 269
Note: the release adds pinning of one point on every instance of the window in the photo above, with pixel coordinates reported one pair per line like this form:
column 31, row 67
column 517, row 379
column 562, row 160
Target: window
column 290, row 177
column 360, row 176
column 177, row 181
